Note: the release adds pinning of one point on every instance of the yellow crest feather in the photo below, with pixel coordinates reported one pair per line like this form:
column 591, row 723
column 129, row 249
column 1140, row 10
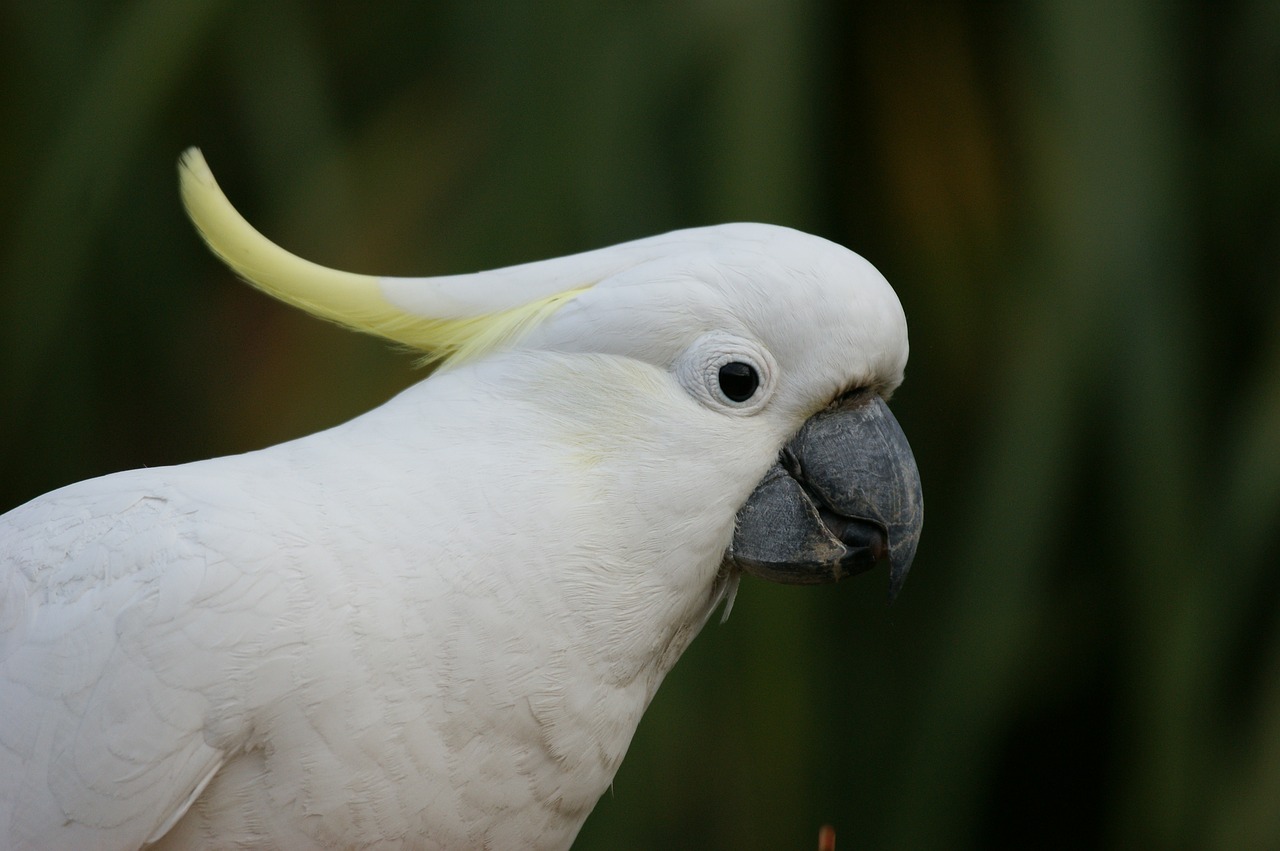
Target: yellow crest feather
column 355, row 301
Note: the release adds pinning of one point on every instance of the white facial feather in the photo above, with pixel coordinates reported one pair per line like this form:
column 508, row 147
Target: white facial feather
column 825, row 315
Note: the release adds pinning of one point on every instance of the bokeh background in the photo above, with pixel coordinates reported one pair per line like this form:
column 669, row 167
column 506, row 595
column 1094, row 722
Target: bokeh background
column 1077, row 200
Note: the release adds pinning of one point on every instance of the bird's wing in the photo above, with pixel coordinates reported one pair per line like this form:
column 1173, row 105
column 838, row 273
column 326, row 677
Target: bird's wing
column 116, row 621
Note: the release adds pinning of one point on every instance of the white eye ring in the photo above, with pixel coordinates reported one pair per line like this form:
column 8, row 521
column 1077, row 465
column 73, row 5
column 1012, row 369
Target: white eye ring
column 699, row 370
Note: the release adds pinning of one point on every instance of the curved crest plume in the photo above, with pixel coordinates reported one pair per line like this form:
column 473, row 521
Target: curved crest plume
column 450, row 318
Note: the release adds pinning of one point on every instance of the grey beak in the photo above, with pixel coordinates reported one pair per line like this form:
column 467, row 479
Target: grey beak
column 844, row 495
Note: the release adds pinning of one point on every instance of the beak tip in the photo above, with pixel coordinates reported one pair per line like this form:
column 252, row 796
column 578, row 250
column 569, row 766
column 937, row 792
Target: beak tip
column 897, row 578
column 900, row 560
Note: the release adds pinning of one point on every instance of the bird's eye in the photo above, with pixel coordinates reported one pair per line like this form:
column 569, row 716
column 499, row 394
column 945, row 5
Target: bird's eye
column 738, row 381
column 727, row 373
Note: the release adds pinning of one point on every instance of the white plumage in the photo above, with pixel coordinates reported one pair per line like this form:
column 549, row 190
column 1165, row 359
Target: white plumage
column 437, row 625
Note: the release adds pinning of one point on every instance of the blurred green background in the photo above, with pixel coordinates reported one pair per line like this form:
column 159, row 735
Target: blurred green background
column 1078, row 202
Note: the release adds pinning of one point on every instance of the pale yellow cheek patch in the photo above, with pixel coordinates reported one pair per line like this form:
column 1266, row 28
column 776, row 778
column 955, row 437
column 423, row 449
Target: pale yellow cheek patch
column 611, row 406
column 356, row 301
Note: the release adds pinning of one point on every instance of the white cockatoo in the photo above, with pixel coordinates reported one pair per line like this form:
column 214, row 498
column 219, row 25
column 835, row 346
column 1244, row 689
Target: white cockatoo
column 438, row 625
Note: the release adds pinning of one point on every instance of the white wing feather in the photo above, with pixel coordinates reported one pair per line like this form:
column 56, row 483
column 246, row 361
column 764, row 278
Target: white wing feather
column 110, row 597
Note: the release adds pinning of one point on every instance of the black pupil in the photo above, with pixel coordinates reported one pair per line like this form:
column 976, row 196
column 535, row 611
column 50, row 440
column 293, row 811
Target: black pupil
column 738, row 381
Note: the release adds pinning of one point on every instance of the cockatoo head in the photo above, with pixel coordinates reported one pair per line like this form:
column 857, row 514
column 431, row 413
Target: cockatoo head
column 789, row 342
